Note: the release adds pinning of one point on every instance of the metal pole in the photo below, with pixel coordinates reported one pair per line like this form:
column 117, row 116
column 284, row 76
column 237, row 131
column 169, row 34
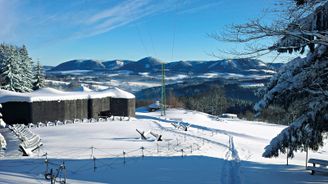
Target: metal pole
column 91, row 151
column 287, row 156
column 94, row 164
column 307, row 157
column 163, row 96
column 124, row 157
column 65, row 172
column 46, row 162
column 142, row 151
column 164, row 89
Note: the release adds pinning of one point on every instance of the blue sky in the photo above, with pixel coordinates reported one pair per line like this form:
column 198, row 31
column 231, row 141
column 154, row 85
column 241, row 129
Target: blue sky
column 59, row 30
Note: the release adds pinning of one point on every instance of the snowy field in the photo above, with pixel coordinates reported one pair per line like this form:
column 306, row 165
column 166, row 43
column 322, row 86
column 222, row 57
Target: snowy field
column 224, row 151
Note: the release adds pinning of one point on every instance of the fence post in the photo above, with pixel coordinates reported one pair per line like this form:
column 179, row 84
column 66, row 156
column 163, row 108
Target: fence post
column 94, row 164
column 191, row 149
column 157, row 148
column 65, row 173
column 124, row 157
column 287, row 156
column 91, row 156
column 142, row 151
column 46, row 162
column 181, row 152
column 306, row 157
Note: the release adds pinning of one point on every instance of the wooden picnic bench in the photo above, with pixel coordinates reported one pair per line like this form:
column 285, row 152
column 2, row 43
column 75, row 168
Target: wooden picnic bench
column 323, row 165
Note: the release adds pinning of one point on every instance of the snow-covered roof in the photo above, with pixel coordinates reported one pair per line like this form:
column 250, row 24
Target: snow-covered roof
column 112, row 92
column 50, row 94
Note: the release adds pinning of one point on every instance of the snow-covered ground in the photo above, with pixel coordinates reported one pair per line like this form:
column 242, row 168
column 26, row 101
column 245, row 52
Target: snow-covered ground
column 225, row 151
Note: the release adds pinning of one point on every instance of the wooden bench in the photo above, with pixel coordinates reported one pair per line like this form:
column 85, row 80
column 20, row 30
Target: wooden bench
column 322, row 165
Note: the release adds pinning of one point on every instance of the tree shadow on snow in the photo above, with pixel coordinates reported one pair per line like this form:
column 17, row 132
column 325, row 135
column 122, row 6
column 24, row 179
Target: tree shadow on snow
column 187, row 169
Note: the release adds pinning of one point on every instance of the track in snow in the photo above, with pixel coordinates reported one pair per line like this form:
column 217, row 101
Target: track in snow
column 189, row 135
column 230, row 173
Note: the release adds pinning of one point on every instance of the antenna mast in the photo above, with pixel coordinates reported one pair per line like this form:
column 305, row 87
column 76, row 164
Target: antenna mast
column 163, row 96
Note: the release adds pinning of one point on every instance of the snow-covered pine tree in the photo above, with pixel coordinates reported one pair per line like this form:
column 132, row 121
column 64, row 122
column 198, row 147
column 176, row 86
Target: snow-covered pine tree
column 301, row 85
column 26, row 64
column 16, row 68
column 39, row 77
column 303, row 81
column 10, row 69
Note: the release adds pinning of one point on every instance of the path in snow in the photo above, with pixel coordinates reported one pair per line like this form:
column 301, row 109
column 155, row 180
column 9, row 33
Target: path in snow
column 230, row 173
column 189, row 135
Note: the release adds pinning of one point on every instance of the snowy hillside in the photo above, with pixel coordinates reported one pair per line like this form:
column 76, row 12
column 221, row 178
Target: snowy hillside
column 147, row 64
column 224, row 151
column 80, row 64
column 153, row 65
column 115, row 64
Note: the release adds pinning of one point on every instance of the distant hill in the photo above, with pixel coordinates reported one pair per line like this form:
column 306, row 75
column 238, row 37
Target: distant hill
column 153, row 65
column 180, row 66
column 147, row 64
column 116, row 64
column 242, row 66
column 238, row 66
column 87, row 64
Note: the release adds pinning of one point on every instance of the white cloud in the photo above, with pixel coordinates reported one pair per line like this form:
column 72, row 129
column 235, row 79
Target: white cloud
column 122, row 9
column 119, row 15
column 47, row 21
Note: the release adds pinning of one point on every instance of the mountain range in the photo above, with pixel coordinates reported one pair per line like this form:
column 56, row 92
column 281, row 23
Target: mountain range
column 153, row 65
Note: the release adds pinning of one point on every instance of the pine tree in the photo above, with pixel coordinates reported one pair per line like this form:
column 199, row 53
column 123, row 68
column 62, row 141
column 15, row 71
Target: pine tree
column 26, row 69
column 16, row 69
column 10, row 71
column 300, row 87
column 39, row 77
